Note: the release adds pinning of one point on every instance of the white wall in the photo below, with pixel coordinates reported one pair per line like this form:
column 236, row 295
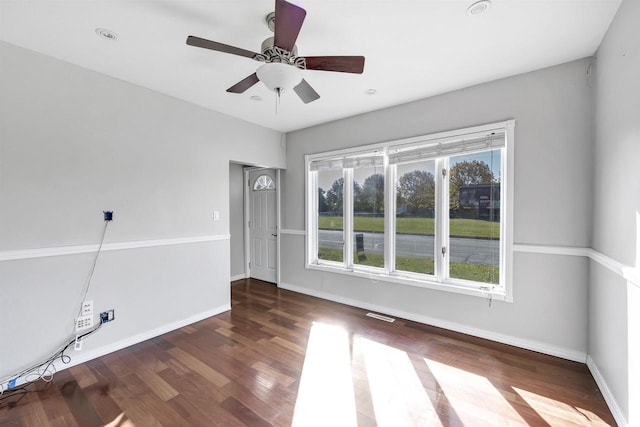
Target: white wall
column 614, row 306
column 236, row 219
column 74, row 143
column 553, row 159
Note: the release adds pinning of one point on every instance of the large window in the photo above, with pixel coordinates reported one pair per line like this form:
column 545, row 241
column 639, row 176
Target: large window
column 431, row 211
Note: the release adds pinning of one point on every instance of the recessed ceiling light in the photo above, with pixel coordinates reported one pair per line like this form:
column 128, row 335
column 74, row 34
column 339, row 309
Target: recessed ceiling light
column 106, row 34
column 256, row 98
column 479, row 7
column 370, row 91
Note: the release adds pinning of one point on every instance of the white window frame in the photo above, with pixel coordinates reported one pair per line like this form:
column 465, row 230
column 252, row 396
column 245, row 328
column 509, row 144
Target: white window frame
column 440, row 280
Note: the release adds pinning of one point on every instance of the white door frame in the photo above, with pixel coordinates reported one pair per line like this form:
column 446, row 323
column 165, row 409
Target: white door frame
column 247, row 215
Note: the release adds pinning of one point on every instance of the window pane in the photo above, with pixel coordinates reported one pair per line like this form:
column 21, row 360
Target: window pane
column 415, row 217
column 330, row 208
column 368, row 216
column 264, row 182
column 474, row 216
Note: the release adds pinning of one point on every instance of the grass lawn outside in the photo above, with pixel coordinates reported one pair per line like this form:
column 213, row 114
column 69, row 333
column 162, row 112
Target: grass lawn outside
column 458, row 227
column 476, row 272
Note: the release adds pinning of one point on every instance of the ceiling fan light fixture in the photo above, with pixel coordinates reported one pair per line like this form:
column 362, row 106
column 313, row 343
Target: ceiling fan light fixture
column 279, row 77
column 281, row 64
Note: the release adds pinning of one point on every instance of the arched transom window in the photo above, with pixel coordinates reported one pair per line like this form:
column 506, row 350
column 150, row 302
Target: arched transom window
column 264, row 182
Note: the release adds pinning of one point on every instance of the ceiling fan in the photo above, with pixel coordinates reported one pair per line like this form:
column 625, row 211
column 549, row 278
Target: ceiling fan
column 282, row 65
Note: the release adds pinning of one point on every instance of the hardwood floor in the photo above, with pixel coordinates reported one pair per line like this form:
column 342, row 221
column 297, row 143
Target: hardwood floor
column 282, row 358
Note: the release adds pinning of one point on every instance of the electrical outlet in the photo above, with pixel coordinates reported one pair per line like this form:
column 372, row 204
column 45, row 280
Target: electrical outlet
column 107, row 316
column 84, row 322
column 77, row 346
column 87, row 308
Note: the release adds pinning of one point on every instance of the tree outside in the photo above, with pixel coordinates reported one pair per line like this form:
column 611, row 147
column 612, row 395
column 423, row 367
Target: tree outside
column 359, row 203
column 322, row 201
column 334, row 196
column 466, row 173
column 416, row 192
column 373, row 193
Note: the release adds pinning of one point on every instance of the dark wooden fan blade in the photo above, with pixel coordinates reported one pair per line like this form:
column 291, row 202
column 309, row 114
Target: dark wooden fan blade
column 220, row 47
column 244, row 84
column 289, row 19
column 306, row 92
column 343, row 64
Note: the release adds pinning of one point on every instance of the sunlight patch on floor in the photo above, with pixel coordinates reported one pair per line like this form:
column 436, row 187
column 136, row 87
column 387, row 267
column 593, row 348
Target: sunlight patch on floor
column 473, row 397
column 326, row 396
column 265, row 381
column 555, row 412
column 121, row 421
column 398, row 396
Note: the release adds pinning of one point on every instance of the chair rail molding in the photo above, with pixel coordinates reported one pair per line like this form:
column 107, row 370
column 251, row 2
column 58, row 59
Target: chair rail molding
column 115, row 246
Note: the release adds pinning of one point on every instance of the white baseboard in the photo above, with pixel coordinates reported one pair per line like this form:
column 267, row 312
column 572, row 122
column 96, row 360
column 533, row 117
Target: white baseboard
column 238, row 277
column 540, row 347
column 82, row 357
column 606, row 393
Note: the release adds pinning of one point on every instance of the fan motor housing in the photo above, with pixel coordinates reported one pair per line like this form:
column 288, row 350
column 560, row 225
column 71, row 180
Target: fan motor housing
column 272, row 53
column 268, row 44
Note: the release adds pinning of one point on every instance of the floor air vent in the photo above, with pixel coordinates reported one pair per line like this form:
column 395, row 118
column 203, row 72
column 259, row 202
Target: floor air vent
column 381, row 317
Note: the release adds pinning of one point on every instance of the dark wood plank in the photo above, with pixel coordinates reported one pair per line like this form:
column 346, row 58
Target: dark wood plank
column 247, row 366
column 243, row 413
column 79, row 405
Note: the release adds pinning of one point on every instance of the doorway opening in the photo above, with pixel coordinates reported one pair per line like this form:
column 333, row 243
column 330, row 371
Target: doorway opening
column 237, row 184
column 261, row 224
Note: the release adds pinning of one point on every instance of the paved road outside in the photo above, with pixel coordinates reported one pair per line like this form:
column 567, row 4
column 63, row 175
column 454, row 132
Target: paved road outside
column 464, row 250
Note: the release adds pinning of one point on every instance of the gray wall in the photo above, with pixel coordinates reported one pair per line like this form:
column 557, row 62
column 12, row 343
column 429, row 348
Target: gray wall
column 73, row 143
column 553, row 159
column 236, row 219
column 614, row 303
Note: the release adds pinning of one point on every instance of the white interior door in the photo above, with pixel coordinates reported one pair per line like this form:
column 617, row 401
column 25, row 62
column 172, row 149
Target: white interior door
column 263, row 225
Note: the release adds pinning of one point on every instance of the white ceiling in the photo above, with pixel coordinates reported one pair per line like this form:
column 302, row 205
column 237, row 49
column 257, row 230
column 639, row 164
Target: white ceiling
column 413, row 48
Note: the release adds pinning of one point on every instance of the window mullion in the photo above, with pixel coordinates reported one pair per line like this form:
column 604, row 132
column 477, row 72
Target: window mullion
column 347, row 217
column 441, row 228
column 313, row 219
column 445, row 233
column 437, row 229
column 390, row 217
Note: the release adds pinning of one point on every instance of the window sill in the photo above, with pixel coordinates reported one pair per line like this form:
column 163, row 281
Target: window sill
column 497, row 294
